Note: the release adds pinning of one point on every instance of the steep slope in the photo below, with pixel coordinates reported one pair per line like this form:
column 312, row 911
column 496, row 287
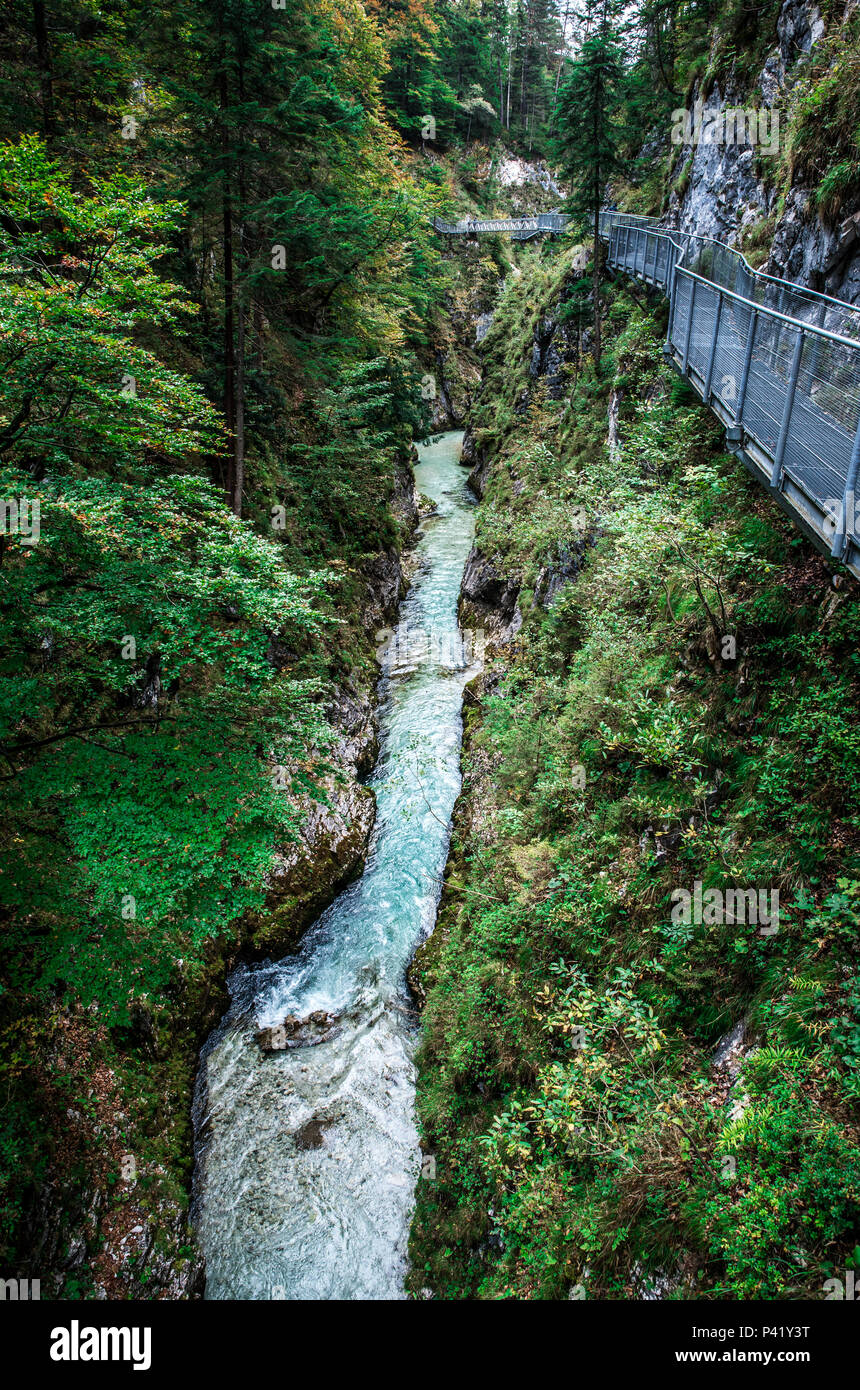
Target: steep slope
column 633, row 1087
column 790, row 199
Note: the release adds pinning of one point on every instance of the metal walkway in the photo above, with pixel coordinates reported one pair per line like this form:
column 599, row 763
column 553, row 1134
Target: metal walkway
column 778, row 364
column 520, row 228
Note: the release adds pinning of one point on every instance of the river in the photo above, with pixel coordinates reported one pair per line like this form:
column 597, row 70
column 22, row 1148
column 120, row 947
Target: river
column 307, row 1156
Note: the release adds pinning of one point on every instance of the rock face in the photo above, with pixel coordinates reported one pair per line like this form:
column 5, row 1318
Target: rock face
column 514, row 172
column 404, row 501
column 384, row 580
column 488, row 601
column 613, row 437
column 335, row 833
column 799, row 26
column 562, row 566
column 469, row 298
column 722, row 195
column 483, row 324
column 384, row 572
column 554, row 345
column 480, row 470
column 455, row 378
column 810, row 253
column 306, row 875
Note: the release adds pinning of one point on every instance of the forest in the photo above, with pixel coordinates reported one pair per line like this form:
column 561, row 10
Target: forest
column 229, row 332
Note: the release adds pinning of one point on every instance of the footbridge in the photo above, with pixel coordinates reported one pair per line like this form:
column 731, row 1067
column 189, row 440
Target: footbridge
column 519, row 228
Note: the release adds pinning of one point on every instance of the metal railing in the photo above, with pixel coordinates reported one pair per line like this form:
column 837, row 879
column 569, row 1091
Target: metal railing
column 778, row 364
column 520, row 227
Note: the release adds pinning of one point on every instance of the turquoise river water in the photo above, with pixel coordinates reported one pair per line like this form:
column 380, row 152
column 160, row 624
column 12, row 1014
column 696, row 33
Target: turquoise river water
column 307, row 1156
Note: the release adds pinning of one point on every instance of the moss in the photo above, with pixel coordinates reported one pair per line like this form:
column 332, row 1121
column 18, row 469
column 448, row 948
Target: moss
column 821, row 148
column 684, row 177
column 757, row 240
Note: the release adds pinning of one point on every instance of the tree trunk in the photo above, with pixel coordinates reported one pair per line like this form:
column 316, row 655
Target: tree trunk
column 595, row 291
column 227, row 245
column 258, row 335
column 239, row 437
column 562, row 53
column 598, row 192
column 43, row 58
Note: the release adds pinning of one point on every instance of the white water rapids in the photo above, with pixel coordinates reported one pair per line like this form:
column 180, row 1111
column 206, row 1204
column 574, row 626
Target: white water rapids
column 307, row 1156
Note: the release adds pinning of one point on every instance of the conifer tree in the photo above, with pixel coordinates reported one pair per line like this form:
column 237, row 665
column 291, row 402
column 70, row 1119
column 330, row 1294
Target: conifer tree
column 589, row 129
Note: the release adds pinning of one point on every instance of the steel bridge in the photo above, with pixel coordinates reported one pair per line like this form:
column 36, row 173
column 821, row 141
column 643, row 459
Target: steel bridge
column 520, row 228
column 778, row 364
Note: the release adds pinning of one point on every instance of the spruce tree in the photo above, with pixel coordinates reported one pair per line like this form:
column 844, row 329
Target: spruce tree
column 589, row 131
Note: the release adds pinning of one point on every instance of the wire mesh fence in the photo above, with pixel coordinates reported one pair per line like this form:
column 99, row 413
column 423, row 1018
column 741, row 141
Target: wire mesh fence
column 519, row 227
column 779, row 363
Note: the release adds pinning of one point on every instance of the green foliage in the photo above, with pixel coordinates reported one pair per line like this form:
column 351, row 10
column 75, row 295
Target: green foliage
column 797, row 1185
column 616, row 755
column 218, row 289
column 78, row 392
column 476, row 68
column 590, row 100
column 823, row 137
column 140, row 715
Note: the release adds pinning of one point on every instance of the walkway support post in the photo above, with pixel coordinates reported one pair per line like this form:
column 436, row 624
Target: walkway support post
column 689, row 332
column 816, row 346
column 774, row 357
column 713, row 356
column 671, row 277
column 846, row 533
column 786, row 414
column 742, row 394
column 668, row 266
